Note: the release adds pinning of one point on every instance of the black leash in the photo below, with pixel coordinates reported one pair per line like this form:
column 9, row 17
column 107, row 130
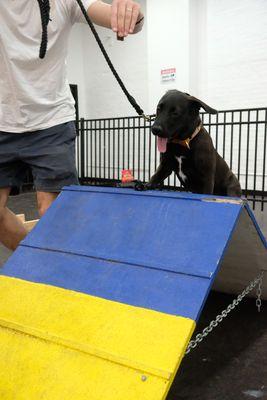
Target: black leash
column 45, row 10
column 111, row 66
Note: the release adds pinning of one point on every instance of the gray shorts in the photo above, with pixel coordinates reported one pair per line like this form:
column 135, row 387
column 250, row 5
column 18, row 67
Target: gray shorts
column 49, row 153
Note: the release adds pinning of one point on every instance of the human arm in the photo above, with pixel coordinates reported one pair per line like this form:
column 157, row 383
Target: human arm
column 122, row 16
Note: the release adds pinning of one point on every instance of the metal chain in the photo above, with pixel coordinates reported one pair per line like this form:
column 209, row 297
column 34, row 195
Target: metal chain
column 259, row 292
column 213, row 324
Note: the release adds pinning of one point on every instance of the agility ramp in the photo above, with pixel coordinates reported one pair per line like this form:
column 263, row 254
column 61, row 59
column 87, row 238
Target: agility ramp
column 101, row 298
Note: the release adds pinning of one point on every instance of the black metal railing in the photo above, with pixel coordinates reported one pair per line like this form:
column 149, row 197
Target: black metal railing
column 106, row 146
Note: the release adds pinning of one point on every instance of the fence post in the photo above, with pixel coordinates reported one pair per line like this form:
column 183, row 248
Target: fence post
column 82, row 150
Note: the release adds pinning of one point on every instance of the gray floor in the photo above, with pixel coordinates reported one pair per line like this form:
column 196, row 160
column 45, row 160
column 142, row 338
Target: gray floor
column 231, row 364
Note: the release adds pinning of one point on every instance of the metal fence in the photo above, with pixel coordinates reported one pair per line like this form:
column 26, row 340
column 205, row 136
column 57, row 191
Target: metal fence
column 106, row 146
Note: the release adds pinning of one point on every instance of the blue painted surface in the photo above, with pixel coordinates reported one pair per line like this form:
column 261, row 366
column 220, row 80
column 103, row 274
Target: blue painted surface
column 168, row 233
column 166, row 292
column 154, row 250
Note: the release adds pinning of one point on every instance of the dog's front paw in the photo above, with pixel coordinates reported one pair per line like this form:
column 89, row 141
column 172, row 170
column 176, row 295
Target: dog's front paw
column 144, row 186
column 140, row 186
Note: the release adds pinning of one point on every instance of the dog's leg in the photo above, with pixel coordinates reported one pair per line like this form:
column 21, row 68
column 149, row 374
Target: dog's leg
column 207, row 186
column 206, row 167
column 163, row 171
column 233, row 188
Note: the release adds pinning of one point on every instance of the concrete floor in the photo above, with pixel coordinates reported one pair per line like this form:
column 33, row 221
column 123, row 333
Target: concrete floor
column 231, row 364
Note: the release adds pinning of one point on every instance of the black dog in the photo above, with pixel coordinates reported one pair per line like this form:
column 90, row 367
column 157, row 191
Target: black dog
column 187, row 148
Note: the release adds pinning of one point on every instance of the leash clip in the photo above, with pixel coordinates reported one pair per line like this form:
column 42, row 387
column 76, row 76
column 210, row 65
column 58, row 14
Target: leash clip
column 149, row 118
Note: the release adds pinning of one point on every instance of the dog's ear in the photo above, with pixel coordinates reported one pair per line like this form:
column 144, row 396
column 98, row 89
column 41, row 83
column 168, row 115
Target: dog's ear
column 201, row 104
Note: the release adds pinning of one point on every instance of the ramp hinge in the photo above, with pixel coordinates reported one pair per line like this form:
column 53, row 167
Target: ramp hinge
column 223, row 200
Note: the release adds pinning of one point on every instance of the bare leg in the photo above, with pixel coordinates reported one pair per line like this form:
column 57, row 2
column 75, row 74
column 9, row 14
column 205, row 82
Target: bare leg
column 44, row 201
column 12, row 230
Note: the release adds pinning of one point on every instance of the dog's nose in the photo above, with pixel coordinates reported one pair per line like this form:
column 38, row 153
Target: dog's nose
column 157, row 130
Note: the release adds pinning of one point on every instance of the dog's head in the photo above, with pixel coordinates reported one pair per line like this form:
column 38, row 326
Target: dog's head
column 177, row 117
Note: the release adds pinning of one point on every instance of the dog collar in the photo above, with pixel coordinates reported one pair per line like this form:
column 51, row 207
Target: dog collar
column 187, row 141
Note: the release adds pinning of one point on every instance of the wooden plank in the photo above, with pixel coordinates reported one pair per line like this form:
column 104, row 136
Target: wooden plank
column 29, row 225
column 21, row 217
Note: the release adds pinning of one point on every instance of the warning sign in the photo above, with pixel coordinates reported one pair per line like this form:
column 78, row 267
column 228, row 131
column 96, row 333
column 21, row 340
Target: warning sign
column 168, row 75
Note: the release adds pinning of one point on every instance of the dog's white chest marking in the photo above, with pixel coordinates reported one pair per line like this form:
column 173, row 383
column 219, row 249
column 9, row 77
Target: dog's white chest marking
column 181, row 175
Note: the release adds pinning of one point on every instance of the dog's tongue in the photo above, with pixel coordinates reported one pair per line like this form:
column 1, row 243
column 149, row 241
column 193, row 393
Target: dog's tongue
column 162, row 144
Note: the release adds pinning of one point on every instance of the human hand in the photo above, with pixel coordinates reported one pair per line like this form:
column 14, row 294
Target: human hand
column 124, row 15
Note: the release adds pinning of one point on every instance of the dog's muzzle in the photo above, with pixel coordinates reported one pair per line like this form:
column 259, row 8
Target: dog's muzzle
column 162, row 140
column 157, row 130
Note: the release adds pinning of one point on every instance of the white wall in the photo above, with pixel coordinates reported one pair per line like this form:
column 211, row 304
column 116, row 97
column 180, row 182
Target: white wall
column 235, row 53
column 233, row 72
column 167, row 46
column 75, row 63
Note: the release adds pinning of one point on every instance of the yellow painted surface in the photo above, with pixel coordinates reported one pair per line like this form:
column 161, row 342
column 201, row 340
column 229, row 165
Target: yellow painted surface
column 59, row 344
